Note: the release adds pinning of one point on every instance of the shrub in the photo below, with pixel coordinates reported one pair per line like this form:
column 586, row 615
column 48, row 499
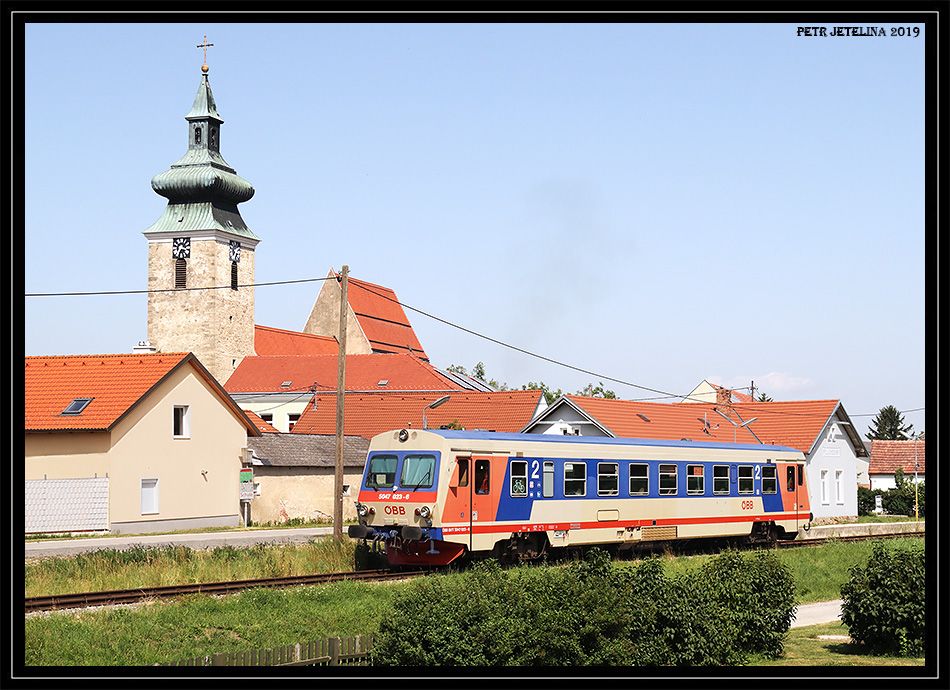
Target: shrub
column 592, row 613
column 900, row 500
column 867, row 501
column 884, row 602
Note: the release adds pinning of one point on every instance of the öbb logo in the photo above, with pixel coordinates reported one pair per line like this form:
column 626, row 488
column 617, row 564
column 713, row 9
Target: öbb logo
column 395, row 510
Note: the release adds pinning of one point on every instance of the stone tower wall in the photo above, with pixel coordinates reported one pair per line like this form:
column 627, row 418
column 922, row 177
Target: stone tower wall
column 217, row 325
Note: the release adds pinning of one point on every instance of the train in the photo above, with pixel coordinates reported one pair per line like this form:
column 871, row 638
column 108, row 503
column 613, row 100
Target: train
column 431, row 498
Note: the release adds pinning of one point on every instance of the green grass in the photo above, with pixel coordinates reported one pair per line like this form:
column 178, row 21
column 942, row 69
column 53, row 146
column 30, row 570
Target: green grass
column 886, row 518
column 803, row 648
column 293, row 523
column 819, row 571
column 169, row 565
column 200, row 625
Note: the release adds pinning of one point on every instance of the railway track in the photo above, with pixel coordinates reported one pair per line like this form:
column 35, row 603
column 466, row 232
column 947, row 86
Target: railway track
column 130, row 596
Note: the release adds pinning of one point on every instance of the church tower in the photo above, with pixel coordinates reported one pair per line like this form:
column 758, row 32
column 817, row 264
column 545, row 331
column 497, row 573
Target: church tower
column 201, row 241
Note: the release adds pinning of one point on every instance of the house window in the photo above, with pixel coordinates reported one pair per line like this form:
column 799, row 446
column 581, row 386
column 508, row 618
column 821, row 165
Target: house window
column 824, row 486
column 234, row 276
column 639, row 480
column 149, row 496
column 291, row 421
column 482, row 477
column 695, row 479
column 839, row 486
column 268, row 417
column 547, row 480
column 608, row 479
column 575, row 478
column 769, row 480
column 76, row 406
column 181, row 422
column 519, row 478
column 667, row 480
column 720, row 479
column 346, row 489
column 746, row 484
column 181, row 274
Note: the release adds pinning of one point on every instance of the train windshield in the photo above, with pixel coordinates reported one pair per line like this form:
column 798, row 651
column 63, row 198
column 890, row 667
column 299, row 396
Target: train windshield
column 417, row 471
column 382, row 471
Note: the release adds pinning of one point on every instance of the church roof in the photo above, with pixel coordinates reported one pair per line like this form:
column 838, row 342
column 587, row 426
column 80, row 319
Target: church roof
column 382, row 319
column 277, row 341
column 204, row 106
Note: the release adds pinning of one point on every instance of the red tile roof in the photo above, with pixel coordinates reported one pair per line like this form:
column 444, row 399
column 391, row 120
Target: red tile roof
column 363, row 373
column 794, row 424
column 261, row 425
column 382, row 318
column 277, row 341
column 370, row 414
column 116, row 383
column 887, row 456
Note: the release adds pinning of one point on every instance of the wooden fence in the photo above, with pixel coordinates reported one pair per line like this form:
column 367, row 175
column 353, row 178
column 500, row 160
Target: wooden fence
column 335, row 651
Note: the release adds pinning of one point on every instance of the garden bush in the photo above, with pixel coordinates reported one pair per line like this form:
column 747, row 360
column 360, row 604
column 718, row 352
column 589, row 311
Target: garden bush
column 884, row 602
column 592, row 613
column 867, row 500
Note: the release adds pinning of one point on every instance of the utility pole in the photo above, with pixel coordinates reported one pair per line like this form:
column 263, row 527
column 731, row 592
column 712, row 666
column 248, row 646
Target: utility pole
column 340, row 388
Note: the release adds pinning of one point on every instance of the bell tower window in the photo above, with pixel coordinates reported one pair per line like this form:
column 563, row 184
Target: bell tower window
column 197, row 135
column 234, row 275
column 213, row 138
column 181, row 273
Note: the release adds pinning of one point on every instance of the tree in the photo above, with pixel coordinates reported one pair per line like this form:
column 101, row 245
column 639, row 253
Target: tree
column 762, row 397
column 549, row 395
column 888, row 425
column 598, row 391
column 478, row 373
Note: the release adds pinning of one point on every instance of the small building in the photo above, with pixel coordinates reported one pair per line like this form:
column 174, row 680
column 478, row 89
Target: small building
column 368, row 414
column 130, row 443
column 279, row 387
column 821, row 429
column 295, row 474
column 889, row 456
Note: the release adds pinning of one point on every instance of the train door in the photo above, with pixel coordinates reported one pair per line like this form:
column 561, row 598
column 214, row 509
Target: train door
column 791, row 488
column 473, row 493
column 459, row 504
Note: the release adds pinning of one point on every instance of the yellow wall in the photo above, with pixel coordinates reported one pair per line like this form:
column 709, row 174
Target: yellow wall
column 304, row 492
column 142, row 446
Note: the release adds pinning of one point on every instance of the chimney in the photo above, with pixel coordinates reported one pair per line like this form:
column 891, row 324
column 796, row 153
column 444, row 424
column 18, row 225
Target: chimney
column 723, row 396
column 144, row 347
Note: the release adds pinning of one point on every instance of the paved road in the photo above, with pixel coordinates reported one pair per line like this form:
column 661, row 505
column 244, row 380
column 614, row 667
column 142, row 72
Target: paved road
column 815, row 614
column 201, row 540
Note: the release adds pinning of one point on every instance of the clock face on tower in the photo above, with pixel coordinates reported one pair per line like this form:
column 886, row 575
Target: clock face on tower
column 234, row 250
column 181, row 248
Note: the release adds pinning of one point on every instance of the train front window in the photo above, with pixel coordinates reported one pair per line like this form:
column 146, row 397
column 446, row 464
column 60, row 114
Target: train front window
column 418, row 471
column 720, row 479
column 519, row 478
column 769, row 480
column 745, row 479
column 639, row 480
column 608, row 479
column 575, row 479
column 382, row 472
column 667, row 480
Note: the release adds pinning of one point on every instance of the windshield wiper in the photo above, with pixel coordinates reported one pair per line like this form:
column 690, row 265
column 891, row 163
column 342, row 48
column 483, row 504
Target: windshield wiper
column 424, row 478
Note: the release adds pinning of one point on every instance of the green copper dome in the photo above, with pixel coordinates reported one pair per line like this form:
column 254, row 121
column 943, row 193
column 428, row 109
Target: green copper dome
column 203, row 191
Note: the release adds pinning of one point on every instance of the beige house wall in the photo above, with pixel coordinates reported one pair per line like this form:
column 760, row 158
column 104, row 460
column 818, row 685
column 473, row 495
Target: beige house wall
column 324, row 319
column 301, row 492
column 142, row 446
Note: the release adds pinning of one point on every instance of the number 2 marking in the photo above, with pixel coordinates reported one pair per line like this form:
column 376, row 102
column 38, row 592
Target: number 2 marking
column 535, row 466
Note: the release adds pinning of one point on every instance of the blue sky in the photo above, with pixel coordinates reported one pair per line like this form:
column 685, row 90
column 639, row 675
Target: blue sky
column 660, row 203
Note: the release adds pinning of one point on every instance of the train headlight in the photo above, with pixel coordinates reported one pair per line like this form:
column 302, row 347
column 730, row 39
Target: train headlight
column 361, row 510
column 425, row 512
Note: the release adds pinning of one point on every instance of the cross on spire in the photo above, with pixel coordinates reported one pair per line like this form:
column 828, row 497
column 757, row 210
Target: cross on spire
column 204, row 47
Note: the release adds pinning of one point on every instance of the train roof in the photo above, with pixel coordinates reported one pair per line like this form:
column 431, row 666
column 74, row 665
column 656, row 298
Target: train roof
column 602, row 440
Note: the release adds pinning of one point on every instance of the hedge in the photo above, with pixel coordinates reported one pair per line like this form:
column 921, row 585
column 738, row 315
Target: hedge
column 592, row 612
column 884, row 601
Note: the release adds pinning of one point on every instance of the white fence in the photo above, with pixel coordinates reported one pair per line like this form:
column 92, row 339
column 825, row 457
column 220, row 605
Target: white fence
column 67, row 505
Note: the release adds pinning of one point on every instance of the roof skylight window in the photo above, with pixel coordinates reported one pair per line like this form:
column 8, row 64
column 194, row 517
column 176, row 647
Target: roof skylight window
column 286, row 384
column 77, row 406
column 383, row 382
column 643, row 417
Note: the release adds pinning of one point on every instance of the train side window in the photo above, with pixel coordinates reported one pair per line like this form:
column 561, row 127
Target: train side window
column 720, row 479
column 639, row 480
column 801, row 475
column 769, row 479
column 519, row 478
column 547, row 480
column 790, row 481
column 482, row 476
column 608, row 479
column 695, row 479
column 745, row 479
column 667, row 480
column 575, row 478
column 463, row 471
